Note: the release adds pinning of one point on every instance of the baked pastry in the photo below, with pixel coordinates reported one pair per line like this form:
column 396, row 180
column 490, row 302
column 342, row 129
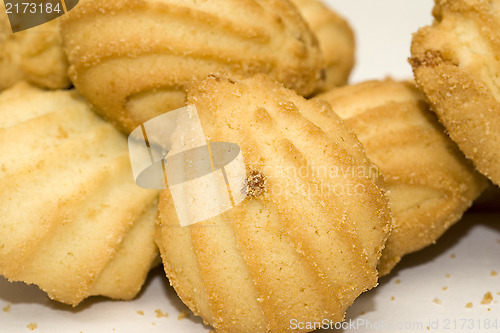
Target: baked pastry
column 456, row 66
column 133, row 59
column 335, row 37
column 305, row 241
column 429, row 182
column 34, row 55
column 73, row 221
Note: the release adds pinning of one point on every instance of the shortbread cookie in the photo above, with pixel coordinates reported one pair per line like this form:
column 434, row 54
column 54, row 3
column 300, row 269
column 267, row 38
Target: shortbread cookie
column 34, row 55
column 429, row 182
column 456, row 64
column 306, row 240
column 73, row 221
column 335, row 37
column 133, row 59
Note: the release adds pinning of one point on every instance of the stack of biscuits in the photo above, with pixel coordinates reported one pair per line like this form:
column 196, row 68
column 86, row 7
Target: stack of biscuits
column 332, row 194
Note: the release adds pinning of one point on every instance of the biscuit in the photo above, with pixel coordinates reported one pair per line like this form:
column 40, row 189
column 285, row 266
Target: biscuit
column 306, row 240
column 429, row 182
column 133, row 59
column 73, row 222
column 335, row 37
column 456, row 65
column 34, row 55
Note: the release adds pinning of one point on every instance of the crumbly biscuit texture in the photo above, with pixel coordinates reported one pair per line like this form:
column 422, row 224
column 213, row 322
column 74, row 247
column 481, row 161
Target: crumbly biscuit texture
column 306, row 240
column 73, row 221
column 34, row 55
column 133, row 59
column 429, row 182
column 456, row 65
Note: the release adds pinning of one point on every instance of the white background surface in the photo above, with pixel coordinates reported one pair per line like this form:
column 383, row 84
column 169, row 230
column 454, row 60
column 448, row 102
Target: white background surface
column 462, row 261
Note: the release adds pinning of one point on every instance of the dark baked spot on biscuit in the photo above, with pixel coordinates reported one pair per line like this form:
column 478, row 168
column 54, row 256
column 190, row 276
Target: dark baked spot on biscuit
column 431, row 58
column 255, row 184
column 323, row 74
column 219, row 78
column 215, row 77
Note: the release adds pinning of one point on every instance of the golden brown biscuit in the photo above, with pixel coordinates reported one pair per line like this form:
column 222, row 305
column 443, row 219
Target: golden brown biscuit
column 429, row 182
column 73, row 221
column 34, row 55
column 306, row 240
column 133, row 59
column 335, row 37
column 456, row 65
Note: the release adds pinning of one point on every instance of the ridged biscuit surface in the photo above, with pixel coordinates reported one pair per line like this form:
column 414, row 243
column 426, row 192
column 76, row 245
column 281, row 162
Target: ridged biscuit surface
column 335, row 37
column 306, row 240
column 456, row 64
column 73, row 221
column 134, row 58
column 430, row 183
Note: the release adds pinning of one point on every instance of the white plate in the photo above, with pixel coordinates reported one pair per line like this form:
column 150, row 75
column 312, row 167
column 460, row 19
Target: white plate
column 427, row 292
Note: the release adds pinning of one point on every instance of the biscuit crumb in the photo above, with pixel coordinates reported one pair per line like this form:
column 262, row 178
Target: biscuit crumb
column 182, row 315
column 487, row 298
column 437, row 301
column 453, row 256
column 392, row 298
column 32, row 326
column 255, row 184
column 7, row 308
column 468, row 305
column 448, row 276
column 398, row 281
column 444, row 288
column 160, row 314
column 431, row 58
column 494, row 273
column 140, row 312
